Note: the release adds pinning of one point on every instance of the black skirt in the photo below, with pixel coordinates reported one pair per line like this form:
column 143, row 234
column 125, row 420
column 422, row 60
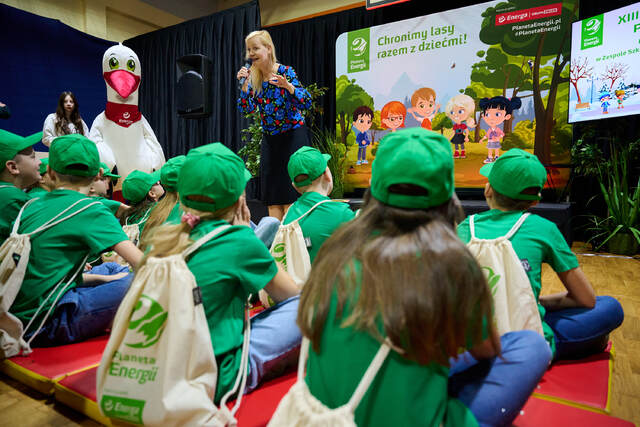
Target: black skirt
column 275, row 184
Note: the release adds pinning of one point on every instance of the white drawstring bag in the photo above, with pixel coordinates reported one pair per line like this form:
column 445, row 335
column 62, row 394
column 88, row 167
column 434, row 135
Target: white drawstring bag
column 289, row 248
column 133, row 230
column 515, row 306
column 159, row 367
column 14, row 258
column 299, row 408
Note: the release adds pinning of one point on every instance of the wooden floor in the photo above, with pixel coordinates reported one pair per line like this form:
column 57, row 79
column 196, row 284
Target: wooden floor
column 615, row 276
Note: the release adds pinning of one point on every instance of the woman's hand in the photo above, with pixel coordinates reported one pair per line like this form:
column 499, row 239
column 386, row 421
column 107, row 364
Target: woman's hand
column 282, row 82
column 243, row 73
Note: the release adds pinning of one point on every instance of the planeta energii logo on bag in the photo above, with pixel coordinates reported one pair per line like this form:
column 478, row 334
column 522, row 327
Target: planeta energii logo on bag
column 123, row 408
column 148, row 319
column 492, row 280
column 279, row 254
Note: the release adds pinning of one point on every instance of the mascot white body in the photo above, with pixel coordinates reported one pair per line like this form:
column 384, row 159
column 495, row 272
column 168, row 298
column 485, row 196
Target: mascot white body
column 123, row 136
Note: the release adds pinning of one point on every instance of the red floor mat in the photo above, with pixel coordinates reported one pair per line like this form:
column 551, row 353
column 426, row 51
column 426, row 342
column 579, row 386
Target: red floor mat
column 584, row 382
column 79, row 392
column 538, row 412
column 43, row 366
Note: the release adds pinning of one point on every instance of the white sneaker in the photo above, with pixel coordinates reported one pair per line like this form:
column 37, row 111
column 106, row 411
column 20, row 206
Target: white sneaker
column 358, row 162
column 366, row 162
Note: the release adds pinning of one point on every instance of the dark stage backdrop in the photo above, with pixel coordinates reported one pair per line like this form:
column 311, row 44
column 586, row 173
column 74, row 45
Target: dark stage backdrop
column 41, row 58
column 220, row 37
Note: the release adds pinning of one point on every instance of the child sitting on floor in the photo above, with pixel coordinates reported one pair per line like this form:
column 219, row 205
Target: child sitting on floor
column 59, row 252
column 142, row 191
column 311, row 177
column 18, row 170
column 576, row 323
column 230, row 267
column 100, row 189
column 399, row 274
column 45, row 184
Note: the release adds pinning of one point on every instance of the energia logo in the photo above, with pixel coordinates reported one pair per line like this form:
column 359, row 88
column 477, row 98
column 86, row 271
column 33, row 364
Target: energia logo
column 358, row 46
column 279, row 254
column 592, row 26
column 592, row 32
column 123, row 408
column 148, row 319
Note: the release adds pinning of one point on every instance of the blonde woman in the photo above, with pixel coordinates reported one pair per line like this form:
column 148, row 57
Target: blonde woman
column 274, row 89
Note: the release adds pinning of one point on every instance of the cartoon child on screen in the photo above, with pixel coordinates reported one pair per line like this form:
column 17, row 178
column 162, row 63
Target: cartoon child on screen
column 496, row 111
column 392, row 115
column 620, row 95
column 362, row 119
column 604, row 102
column 423, row 106
column 460, row 110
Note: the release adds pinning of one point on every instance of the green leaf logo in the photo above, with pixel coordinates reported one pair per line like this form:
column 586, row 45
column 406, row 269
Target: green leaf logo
column 279, row 254
column 148, row 319
column 492, row 280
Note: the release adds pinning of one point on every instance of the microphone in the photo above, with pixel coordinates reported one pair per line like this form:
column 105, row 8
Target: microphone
column 247, row 64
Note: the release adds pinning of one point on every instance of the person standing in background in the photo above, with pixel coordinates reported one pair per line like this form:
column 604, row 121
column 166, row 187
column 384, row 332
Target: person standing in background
column 4, row 111
column 282, row 101
column 65, row 120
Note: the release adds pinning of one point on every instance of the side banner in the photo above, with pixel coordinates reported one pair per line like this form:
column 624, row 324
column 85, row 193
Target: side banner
column 488, row 77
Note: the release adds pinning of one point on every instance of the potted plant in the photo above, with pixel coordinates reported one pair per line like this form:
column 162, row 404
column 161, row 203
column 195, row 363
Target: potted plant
column 620, row 228
column 327, row 142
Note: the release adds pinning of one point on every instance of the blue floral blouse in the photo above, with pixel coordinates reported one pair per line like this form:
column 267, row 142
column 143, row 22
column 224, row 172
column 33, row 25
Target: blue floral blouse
column 280, row 111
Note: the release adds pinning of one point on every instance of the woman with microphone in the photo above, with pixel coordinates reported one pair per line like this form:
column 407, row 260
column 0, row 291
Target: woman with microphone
column 274, row 88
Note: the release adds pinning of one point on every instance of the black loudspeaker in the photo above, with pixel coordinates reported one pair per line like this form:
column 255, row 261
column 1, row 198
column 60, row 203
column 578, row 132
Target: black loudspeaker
column 194, row 86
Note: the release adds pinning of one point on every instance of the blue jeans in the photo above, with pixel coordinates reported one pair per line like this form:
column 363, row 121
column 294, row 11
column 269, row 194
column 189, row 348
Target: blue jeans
column 266, row 229
column 84, row 312
column 496, row 389
column 362, row 153
column 580, row 332
column 274, row 343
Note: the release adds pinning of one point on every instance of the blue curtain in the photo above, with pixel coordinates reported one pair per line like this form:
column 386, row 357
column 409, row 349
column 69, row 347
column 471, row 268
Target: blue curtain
column 41, row 58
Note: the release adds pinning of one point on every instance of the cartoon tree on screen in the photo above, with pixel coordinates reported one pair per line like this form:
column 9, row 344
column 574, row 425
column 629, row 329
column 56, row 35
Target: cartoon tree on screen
column 500, row 71
column 349, row 96
column 614, row 72
column 537, row 45
column 580, row 69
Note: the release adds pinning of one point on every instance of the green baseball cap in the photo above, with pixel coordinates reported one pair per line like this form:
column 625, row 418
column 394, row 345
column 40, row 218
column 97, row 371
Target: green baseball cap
column 515, row 171
column 137, row 184
column 413, row 156
column 215, row 172
column 43, row 165
column 307, row 161
column 170, row 171
column 11, row 144
column 74, row 154
column 107, row 172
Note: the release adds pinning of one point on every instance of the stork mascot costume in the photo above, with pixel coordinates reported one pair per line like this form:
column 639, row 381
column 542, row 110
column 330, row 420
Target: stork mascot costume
column 123, row 136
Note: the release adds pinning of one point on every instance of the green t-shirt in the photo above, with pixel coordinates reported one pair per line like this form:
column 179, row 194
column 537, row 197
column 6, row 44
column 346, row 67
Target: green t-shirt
column 112, row 205
column 320, row 223
column 12, row 200
column 537, row 241
column 403, row 392
column 58, row 251
column 140, row 218
column 227, row 269
column 36, row 192
column 175, row 216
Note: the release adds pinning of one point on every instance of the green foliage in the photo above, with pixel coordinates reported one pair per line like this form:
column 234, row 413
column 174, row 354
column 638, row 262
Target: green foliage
column 252, row 138
column 441, row 122
column 349, row 96
column 252, row 135
column 521, row 137
column 327, row 142
column 622, row 201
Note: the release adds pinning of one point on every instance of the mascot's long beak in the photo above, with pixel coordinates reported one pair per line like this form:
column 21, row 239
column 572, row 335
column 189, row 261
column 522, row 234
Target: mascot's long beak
column 123, row 82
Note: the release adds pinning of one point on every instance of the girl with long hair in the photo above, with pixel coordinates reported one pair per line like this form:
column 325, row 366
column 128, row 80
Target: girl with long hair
column 65, row 120
column 274, row 89
column 398, row 274
column 230, row 267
